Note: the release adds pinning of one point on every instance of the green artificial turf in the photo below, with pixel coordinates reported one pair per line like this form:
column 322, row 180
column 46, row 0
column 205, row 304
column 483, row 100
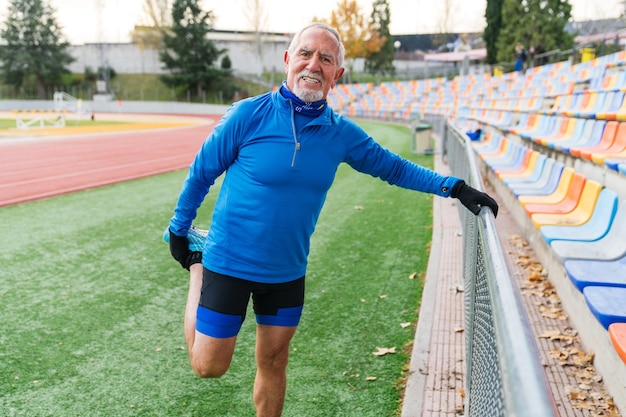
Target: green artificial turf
column 92, row 304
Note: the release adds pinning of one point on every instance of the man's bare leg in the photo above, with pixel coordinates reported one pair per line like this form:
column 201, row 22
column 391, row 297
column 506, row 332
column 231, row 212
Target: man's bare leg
column 193, row 298
column 272, row 356
column 210, row 357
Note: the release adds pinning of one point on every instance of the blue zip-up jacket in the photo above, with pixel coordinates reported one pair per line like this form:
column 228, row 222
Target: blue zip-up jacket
column 276, row 182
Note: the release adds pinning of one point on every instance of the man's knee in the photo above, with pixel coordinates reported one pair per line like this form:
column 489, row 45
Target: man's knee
column 209, row 370
column 274, row 360
column 211, row 357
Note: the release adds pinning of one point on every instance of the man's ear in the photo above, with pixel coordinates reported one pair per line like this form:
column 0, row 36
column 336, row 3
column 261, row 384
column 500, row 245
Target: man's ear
column 338, row 75
column 286, row 60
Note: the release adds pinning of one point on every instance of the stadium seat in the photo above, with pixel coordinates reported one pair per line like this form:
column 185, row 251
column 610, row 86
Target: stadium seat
column 597, row 226
column 616, row 150
column 617, row 333
column 565, row 131
column 558, row 105
column 607, row 304
column 527, row 123
column 608, row 136
column 520, row 166
column 589, row 137
column 579, row 99
column 562, row 215
column 546, row 185
column 587, row 103
column 592, row 105
column 495, row 151
column 610, row 247
column 545, row 125
column 531, row 173
column 582, row 129
column 570, row 181
column 584, row 273
column 616, row 114
column 611, row 107
column 512, row 157
column 614, row 163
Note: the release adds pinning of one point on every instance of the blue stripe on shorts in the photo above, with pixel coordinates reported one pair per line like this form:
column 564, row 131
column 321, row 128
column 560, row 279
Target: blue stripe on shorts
column 219, row 325
column 284, row 317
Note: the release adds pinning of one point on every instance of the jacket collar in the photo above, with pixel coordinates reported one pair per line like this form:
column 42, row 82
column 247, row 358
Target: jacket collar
column 284, row 105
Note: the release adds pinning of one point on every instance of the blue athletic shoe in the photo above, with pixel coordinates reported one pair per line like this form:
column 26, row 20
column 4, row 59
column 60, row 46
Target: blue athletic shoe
column 196, row 238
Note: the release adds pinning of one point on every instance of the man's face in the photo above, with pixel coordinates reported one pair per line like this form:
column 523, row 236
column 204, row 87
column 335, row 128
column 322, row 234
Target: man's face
column 313, row 68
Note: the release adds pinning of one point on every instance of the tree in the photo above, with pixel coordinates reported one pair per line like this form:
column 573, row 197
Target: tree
column 191, row 58
column 156, row 22
column 256, row 15
column 34, row 46
column 448, row 15
column 539, row 25
column 493, row 16
column 381, row 61
column 360, row 37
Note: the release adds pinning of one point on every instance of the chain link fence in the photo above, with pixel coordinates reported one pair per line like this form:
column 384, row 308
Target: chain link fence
column 504, row 375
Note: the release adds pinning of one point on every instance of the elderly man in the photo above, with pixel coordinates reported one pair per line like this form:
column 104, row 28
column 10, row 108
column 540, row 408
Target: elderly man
column 280, row 152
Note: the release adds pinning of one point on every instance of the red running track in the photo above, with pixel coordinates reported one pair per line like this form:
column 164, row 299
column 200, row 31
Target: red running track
column 46, row 167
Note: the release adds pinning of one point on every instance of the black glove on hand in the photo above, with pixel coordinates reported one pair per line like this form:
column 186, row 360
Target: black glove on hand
column 179, row 248
column 473, row 199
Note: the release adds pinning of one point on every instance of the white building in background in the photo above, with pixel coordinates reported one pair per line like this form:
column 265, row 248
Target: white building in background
column 128, row 58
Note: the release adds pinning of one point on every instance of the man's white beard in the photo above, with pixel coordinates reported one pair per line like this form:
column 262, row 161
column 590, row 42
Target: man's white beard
column 307, row 95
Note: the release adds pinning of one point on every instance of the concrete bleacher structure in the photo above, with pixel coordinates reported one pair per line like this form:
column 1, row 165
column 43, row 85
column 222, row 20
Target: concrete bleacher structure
column 553, row 146
column 579, row 227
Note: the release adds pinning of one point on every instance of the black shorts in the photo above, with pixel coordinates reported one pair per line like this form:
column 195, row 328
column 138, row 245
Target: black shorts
column 224, row 301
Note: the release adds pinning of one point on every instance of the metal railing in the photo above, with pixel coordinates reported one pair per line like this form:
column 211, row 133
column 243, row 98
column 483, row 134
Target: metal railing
column 504, row 375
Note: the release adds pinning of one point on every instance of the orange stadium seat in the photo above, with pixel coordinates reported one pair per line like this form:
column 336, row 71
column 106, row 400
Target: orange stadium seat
column 565, row 204
column 608, row 136
column 617, row 333
column 616, row 150
column 579, row 215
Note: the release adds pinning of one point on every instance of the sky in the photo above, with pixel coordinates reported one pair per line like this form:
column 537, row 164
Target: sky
column 83, row 23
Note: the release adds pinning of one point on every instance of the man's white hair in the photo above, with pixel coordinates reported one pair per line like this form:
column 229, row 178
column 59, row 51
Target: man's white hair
column 330, row 29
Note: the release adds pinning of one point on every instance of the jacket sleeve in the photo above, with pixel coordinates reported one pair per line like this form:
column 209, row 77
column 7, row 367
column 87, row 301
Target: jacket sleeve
column 366, row 155
column 217, row 153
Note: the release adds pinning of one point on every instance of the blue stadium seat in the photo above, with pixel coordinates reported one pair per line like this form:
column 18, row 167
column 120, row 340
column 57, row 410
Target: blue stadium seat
column 607, row 304
column 614, row 163
column 545, row 186
column 610, row 247
column 584, row 273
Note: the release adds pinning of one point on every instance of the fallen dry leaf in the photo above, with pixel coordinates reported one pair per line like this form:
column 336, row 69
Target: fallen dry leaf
column 551, row 312
column 550, row 334
column 584, row 405
column 581, row 359
column 575, row 394
column 588, row 394
column 413, row 275
column 381, row 351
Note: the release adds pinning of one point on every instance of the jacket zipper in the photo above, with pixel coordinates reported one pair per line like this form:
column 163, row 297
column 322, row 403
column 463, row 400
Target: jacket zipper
column 295, row 139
